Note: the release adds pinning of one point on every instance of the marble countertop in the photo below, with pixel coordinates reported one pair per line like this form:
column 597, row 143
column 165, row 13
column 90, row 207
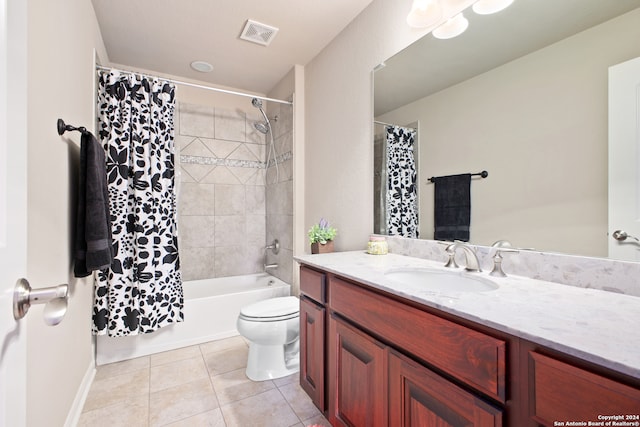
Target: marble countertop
column 597, row 326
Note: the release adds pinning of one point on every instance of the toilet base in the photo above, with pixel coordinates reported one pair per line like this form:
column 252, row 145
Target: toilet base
column 268, row 362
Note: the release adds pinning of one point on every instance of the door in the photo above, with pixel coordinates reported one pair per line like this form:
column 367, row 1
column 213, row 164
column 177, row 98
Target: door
column 419, row 397
column 357, row 377
column 624, row 159
column 13, row 208
column 312, row 318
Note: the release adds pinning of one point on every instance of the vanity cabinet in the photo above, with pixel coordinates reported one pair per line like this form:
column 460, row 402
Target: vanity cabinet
column 389, row 361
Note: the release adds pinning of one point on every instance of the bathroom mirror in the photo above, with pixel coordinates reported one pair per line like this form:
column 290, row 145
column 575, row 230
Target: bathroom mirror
column 521, row 94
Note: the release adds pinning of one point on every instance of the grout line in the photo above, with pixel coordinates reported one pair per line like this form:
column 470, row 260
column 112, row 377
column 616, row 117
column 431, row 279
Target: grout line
column 290, row 406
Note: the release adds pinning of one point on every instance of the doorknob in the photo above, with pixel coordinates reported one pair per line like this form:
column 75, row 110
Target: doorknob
column 621, row 236
column 54, row 297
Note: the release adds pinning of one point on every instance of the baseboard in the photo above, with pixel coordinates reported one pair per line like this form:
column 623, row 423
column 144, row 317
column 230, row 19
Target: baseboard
column 81, row 396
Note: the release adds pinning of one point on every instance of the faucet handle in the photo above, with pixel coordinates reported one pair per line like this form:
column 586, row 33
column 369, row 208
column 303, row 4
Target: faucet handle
column 452, row 260
column 497, row 261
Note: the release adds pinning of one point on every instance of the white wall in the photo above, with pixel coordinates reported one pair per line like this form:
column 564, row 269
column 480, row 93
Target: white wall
column 338, row 154
column 539, row 126
column 61, row 39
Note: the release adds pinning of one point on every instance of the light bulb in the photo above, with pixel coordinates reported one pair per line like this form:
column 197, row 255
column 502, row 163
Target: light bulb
column 452, row 27
column 424, row 13
column 487, row 7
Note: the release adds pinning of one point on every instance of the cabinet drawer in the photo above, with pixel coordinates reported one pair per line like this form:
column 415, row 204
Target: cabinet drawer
column 312, row 283
column 564, row 392
column 475, row 358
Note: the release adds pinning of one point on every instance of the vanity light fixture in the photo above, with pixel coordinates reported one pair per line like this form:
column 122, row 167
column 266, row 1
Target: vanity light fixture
column 453, row 27
column 424, row 13
column 202, row 66
column 487, row 7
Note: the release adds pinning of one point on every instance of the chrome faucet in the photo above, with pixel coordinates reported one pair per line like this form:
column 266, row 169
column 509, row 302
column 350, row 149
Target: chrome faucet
column 471, row 259
column 275, row 248
column 497, row 260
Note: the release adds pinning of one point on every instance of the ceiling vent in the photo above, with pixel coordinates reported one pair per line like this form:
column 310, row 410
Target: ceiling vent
column 258, row 33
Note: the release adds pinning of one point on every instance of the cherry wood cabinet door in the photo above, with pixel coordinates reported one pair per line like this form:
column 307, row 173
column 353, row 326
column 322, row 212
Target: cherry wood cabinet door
column 312, row 318
column 420, row 397
column 357, row 377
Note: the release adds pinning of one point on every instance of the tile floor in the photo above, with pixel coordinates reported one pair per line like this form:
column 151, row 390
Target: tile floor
column 202, row 385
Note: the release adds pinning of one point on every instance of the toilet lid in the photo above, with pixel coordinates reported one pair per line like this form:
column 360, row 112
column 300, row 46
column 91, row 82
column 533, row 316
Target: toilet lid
column 273, row 307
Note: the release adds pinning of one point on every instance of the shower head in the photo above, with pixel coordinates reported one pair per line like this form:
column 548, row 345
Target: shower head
column 262, row 127
column 256, row 103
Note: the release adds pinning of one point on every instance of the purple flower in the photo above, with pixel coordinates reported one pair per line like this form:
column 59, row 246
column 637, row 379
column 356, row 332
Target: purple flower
column 324, row 223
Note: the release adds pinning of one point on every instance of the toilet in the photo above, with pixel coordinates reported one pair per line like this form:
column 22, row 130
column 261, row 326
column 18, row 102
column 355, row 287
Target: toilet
column 272, row 327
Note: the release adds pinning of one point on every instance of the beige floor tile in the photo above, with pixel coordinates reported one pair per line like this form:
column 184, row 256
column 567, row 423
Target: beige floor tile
column 132, row 413
column 221, row 345
column 227, row 360
column 182, row 401
column 293, row 378
column 176, row 373
column 208, row 419
column 317, row 420
column 268, row 409
column 124, row 367
column 196, row 386
column 299, row 401
column 117, row 389
column 233, row 386
column 175, row 355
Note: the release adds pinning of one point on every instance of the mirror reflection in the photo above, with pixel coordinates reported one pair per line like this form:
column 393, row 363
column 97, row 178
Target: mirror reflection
column 522, row 94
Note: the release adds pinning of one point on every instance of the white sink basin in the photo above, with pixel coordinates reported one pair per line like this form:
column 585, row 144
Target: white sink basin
column 441, row 281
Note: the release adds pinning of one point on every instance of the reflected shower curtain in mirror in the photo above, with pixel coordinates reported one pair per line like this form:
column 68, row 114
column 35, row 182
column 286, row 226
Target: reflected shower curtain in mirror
column 142, row 290
column 402, row 194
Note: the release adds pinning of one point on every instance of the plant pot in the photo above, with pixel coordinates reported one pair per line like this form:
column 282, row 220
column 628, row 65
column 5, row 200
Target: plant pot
column 319, row 248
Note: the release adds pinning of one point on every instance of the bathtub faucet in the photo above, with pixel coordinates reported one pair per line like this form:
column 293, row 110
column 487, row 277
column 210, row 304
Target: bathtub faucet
column 274, row 246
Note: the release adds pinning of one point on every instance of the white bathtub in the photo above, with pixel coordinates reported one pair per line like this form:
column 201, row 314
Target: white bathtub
column 211, row 308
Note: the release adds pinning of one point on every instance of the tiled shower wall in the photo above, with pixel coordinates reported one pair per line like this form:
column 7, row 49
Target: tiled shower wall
column 225, row 219
column 221, row 195
column 279, row 190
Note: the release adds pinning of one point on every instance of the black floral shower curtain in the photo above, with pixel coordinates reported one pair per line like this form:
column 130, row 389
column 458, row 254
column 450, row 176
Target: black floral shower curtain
column 142, row 291
column 402, row 194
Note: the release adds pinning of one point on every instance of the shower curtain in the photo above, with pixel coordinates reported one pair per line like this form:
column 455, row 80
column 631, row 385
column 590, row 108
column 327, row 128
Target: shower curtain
column 402, row 194
column 142, row 290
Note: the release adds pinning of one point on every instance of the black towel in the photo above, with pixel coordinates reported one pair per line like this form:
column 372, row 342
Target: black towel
column 452, row 207
column 93, row 249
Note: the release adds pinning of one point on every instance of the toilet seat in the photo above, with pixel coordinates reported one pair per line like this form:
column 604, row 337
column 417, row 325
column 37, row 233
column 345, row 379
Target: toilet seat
column 272, row 310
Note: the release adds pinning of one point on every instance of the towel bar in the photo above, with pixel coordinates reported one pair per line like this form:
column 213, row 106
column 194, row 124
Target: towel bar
column 482, row 174
column 62, row 127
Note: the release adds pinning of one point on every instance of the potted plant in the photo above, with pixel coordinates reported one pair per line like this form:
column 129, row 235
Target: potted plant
column 321, row 236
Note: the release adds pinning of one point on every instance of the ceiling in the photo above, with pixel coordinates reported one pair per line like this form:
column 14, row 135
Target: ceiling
column 165, row 36
column 430, row 65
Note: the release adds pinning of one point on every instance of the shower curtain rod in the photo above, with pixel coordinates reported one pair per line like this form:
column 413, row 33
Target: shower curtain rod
column 391, row 124
column 215, row 89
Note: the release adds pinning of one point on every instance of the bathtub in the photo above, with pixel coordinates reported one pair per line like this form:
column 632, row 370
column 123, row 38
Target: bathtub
column 211, row 307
